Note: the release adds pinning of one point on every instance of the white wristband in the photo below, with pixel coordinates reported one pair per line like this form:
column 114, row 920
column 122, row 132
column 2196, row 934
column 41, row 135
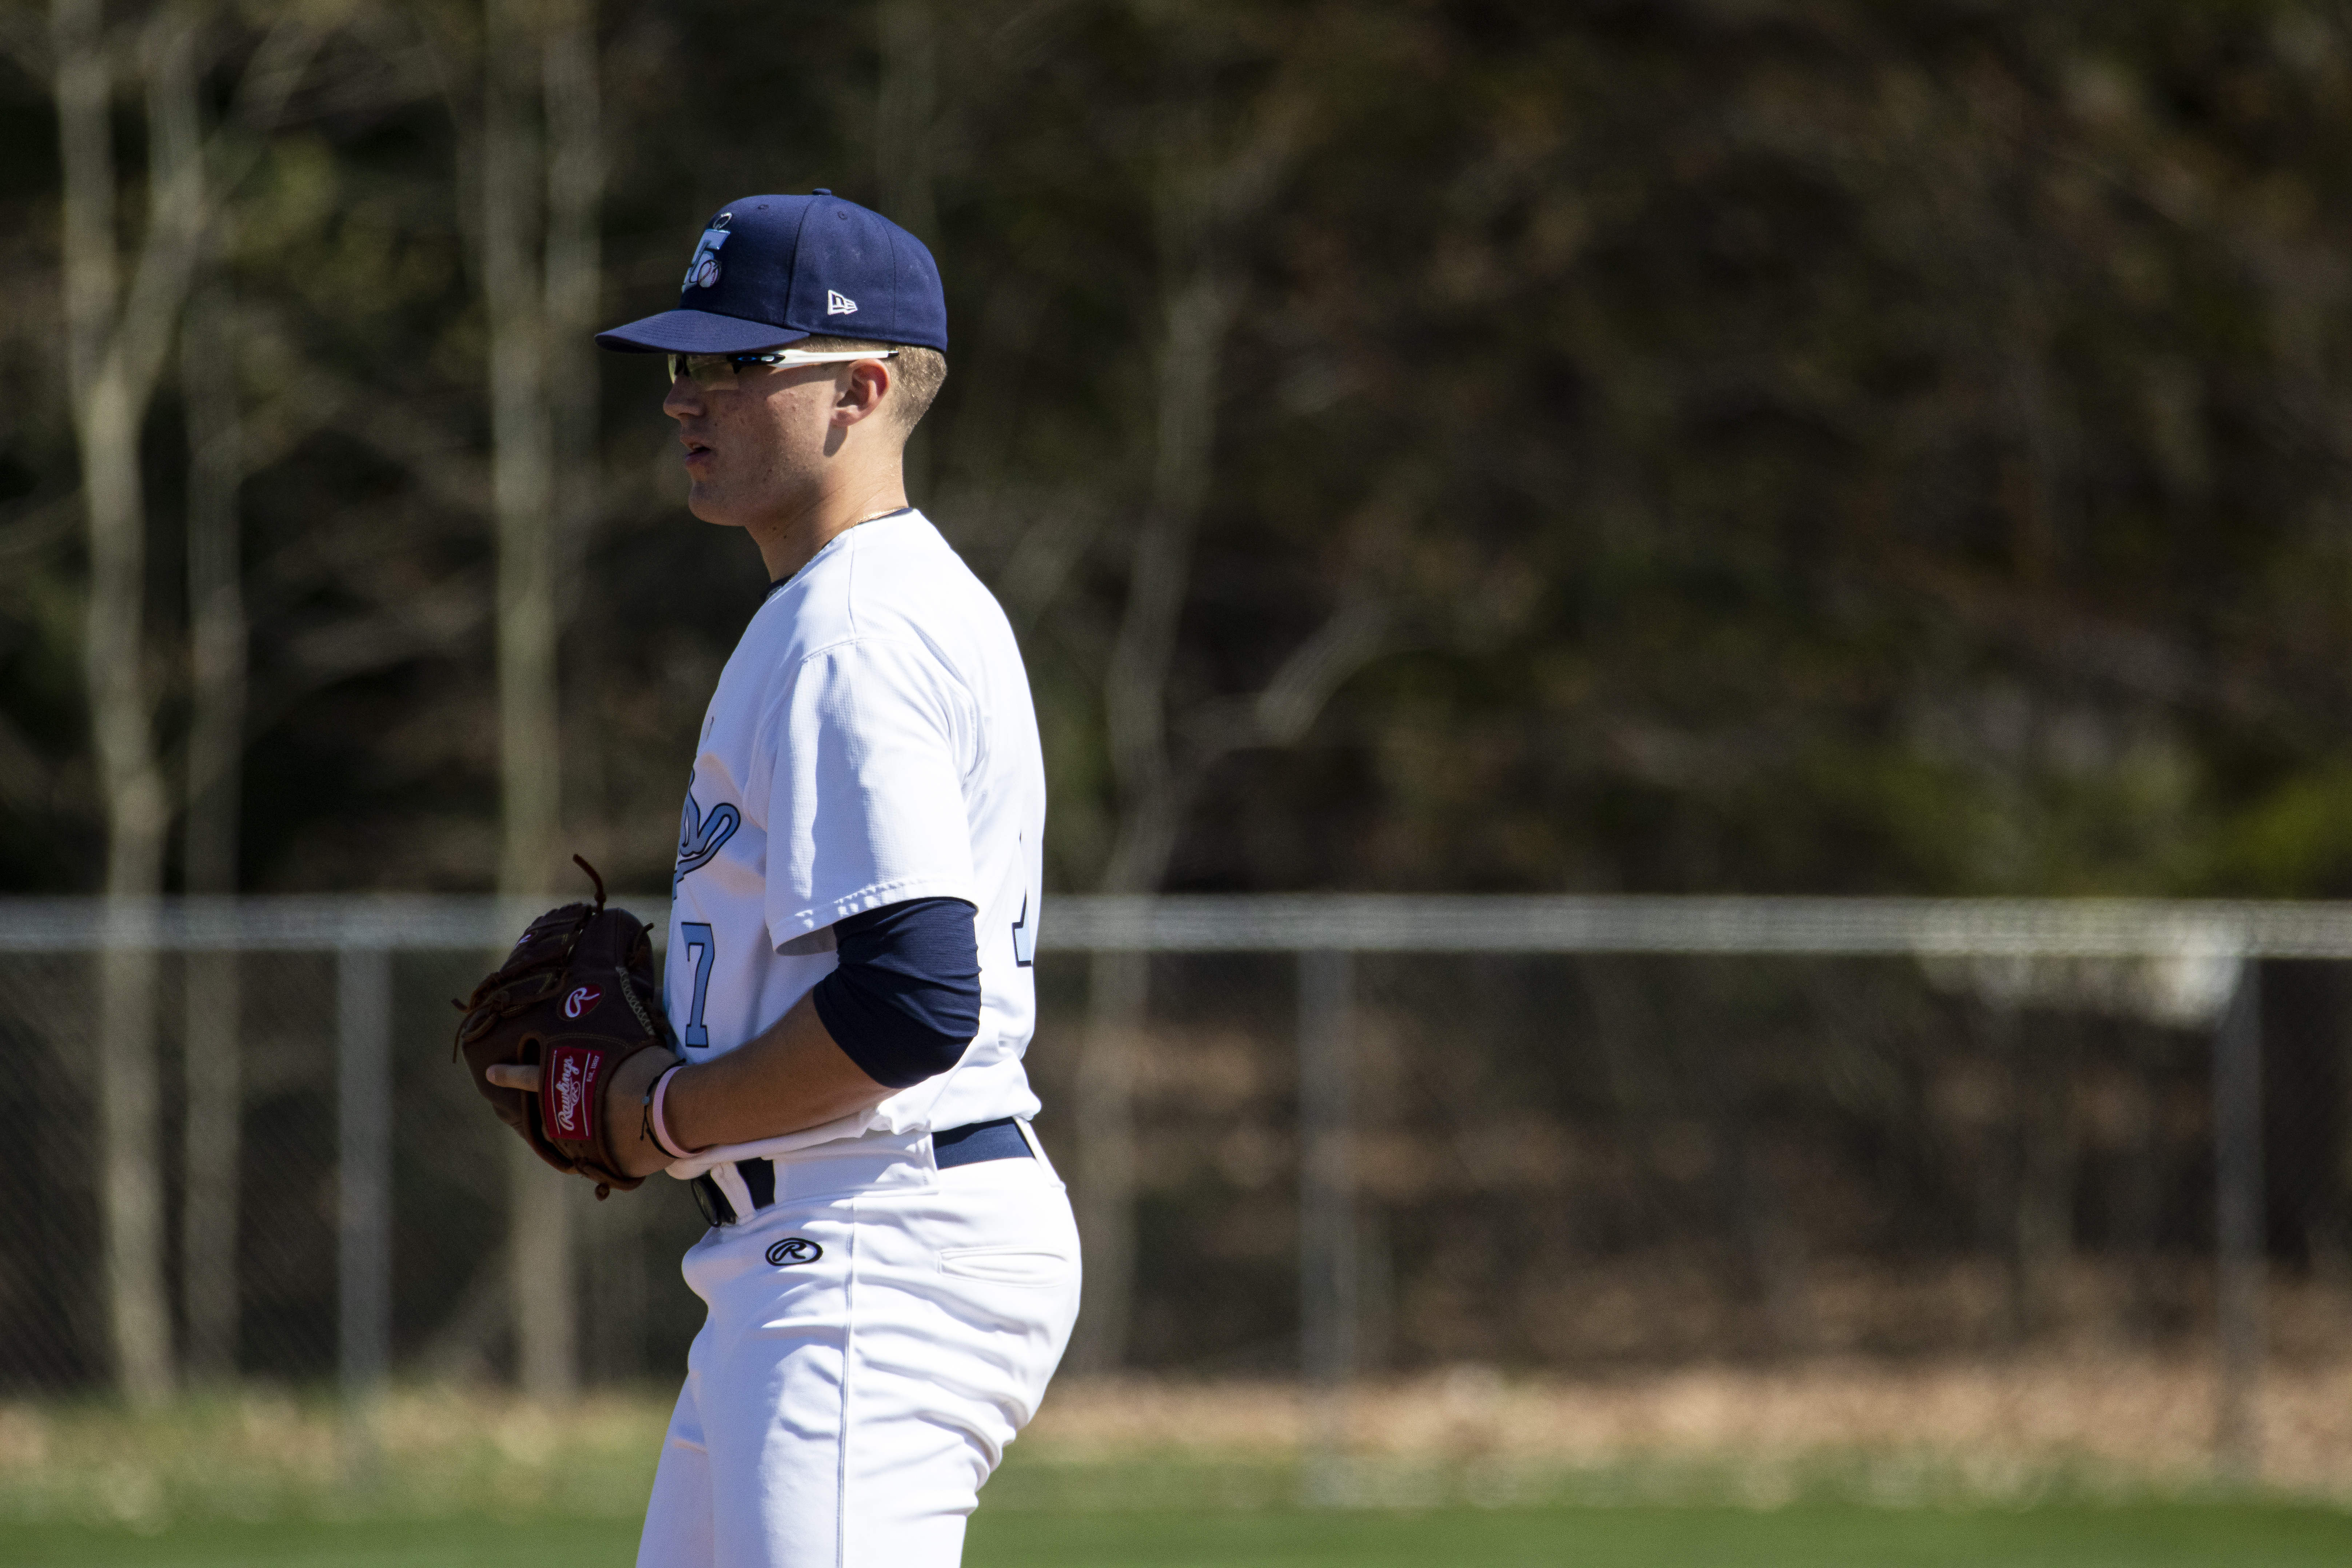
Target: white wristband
column 654, row 1114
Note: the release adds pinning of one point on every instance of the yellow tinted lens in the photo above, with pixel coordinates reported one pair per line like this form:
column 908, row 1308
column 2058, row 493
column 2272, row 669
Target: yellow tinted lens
column 704, row 370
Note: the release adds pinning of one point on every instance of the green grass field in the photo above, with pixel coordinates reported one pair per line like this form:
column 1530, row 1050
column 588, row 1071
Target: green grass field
column 2156, row 1535
column 449, row 1478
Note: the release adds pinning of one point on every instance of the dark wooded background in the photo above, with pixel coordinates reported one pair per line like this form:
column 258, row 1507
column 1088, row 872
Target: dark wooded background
column 1824, row 447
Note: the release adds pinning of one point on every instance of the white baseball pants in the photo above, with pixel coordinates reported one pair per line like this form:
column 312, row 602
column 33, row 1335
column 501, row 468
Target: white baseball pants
column 843, row 1404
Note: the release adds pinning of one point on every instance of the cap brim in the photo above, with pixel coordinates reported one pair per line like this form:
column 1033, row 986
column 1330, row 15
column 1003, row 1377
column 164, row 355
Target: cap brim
column 697, row 333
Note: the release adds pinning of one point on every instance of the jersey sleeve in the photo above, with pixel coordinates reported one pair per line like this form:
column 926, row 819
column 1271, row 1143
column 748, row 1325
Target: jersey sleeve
column 868, row 747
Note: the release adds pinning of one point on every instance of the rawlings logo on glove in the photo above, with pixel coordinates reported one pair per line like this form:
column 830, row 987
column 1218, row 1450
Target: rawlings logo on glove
column 574, row 1070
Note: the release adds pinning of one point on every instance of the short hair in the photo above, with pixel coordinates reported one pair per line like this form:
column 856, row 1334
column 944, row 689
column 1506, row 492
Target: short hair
column 919, row 373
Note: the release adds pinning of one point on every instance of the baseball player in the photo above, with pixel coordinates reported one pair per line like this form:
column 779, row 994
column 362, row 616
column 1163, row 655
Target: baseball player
column 892, row 1270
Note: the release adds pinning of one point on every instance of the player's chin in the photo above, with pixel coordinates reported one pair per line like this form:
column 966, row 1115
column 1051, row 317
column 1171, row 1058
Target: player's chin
column 706, row 502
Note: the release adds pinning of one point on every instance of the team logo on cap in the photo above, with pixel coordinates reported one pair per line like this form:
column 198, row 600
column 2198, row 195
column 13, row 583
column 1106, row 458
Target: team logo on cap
column 837, row 304
column 703, row 271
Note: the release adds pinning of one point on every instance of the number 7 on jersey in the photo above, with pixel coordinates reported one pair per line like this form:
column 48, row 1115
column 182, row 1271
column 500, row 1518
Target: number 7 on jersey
column 702, row 948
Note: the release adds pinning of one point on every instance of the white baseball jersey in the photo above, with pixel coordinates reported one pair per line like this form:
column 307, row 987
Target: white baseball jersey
column 871, row 741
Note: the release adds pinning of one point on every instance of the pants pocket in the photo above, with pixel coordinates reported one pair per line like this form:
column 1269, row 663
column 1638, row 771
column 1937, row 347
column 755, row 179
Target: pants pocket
column 1034, row 1265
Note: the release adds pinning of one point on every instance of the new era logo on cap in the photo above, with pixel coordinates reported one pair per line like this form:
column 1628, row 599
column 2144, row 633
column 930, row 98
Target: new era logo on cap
column 771, row 270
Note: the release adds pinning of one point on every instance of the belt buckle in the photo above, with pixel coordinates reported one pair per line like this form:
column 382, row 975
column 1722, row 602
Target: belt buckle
column 716, row 1209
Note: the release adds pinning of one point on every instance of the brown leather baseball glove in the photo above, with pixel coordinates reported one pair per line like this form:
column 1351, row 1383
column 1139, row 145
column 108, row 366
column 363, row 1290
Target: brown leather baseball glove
column 576, row 999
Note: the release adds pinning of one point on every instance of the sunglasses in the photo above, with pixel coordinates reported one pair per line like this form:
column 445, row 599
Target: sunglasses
column 712, row 372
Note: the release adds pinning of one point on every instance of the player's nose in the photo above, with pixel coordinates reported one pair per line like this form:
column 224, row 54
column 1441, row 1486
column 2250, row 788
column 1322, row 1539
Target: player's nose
column 684, row 400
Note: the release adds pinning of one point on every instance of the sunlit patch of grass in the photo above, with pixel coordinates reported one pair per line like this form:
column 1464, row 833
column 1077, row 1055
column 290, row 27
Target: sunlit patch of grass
column 418, row 1453
column 1838, row 1437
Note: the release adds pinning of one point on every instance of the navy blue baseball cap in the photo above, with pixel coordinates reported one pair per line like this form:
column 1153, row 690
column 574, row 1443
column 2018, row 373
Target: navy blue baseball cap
column 771, row 270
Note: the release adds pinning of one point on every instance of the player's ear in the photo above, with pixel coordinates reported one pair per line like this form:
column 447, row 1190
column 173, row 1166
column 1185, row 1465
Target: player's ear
column 863, row 391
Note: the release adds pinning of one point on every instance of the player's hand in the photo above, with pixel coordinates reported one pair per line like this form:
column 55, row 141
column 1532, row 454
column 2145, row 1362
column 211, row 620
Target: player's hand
column 629, row 1137
column 631, row 1133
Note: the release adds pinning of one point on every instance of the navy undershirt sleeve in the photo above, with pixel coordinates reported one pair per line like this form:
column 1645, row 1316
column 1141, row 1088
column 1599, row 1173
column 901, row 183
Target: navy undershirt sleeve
column 904, row 1001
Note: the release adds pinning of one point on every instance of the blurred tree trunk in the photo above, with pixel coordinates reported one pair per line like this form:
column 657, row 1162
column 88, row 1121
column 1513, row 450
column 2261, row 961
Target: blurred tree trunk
column 217, row 625
column 522, row 460
column 1202, row 201
column 575, row 269
column 1119, row 990
column 1768, row 1252
column 906, row 110
column 116, row 341
column 1196, row 308
column 542, row 179
column 119, row 333
column 620, row 1264
column 2140, row 1197
column 2044, row 1236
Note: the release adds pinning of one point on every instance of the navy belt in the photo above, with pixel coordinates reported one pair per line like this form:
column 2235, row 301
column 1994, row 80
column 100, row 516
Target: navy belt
column 967, row 1145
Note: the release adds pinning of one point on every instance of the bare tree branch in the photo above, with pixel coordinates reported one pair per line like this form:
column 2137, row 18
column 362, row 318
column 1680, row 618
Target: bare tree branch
column 23, row 41
column 183, row 200
column 1049, row 547
column 441, row 618
column 40, row 527
column 1203, row 201
column 1287, row 707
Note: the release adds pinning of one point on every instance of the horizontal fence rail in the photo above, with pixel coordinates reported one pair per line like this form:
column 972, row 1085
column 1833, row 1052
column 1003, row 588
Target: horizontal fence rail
column 1298, row 923
column 2179, row 962
column 1820, row 927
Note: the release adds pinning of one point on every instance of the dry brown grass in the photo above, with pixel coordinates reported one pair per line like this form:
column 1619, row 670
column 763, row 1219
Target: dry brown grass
column 1958, row 1430
column 263, row 1454
column 2145, row 1419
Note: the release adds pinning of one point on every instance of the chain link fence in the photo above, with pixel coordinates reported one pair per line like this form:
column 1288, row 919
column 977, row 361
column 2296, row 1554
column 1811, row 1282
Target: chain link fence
column 344, row 1214
column 1347, row 1137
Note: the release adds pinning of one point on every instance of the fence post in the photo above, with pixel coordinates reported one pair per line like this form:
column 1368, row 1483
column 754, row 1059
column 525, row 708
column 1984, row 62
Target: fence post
column 1326, row 1228
column 131, row 1180
column 363, row 1175
column 1118, row 994
column 2238, row 1228
column 213, row 1054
